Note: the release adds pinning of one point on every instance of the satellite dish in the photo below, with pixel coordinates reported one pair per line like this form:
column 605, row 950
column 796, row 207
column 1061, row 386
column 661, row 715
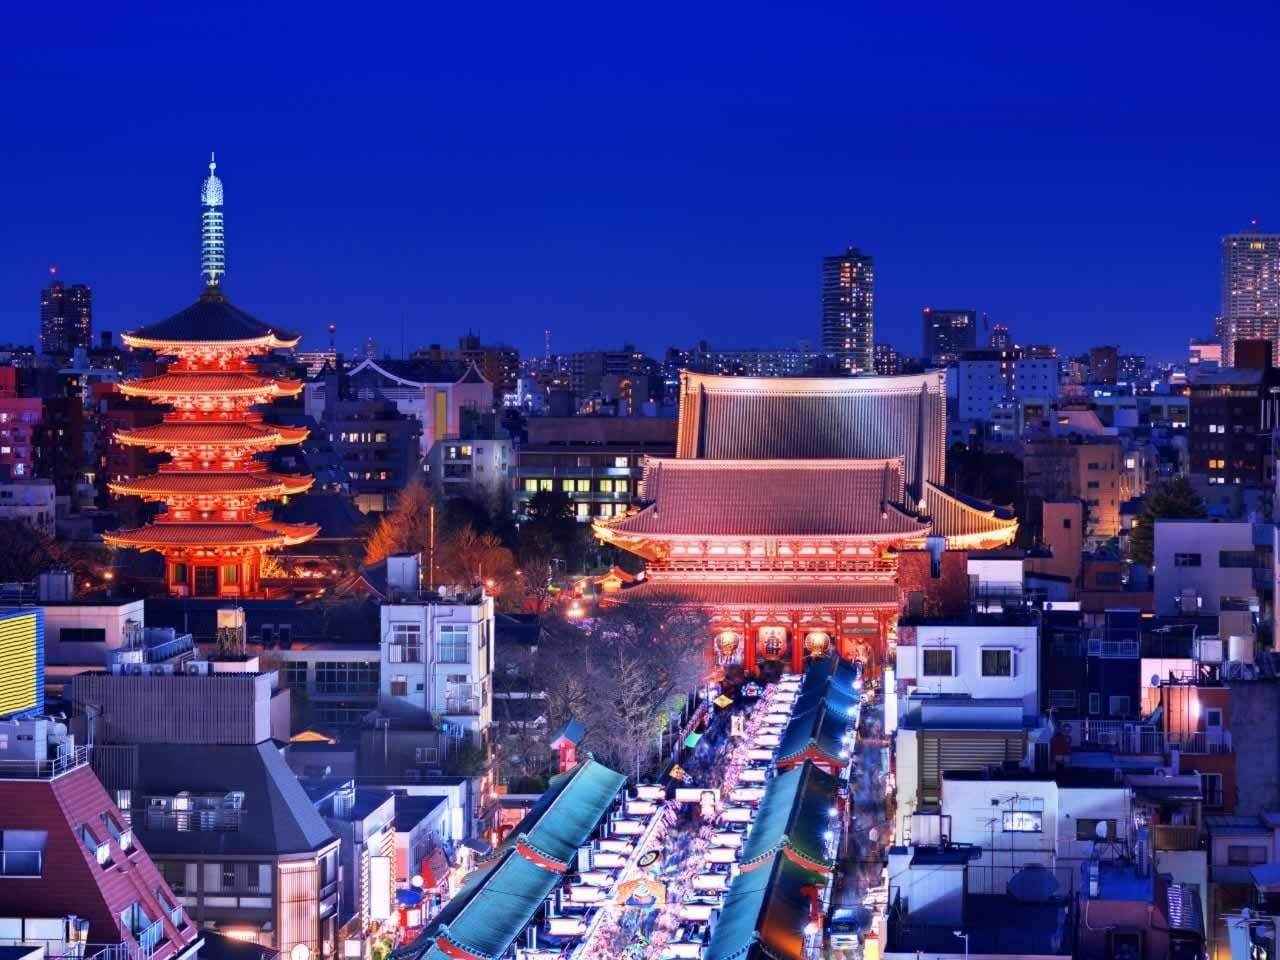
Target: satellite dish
column 1101, row 830
column 1032, row 884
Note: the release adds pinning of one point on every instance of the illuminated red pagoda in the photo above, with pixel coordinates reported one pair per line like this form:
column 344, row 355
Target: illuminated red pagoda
column 213, row 531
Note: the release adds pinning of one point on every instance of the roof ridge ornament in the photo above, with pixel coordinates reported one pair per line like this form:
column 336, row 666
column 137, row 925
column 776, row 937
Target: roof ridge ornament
column 213, row 254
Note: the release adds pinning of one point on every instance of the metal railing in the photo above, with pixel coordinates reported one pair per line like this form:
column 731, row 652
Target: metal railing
column 150, row 937
column 1200, row 742
column 182, row 643
column 1113, row 649
column 1118, row 736
column 21, row 863
column 220, row 819
column 44, row 769
column 1169, row 836
column 65, row 950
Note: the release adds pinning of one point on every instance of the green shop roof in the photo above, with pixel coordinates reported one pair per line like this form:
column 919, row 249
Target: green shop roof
column 491, row 910
column 821, row 729
column 794, row 814
column 568, row 811
column 764, row 916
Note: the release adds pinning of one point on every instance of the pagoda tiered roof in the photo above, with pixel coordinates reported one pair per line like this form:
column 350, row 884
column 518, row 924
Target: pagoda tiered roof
column 212, row 433
column 777, row 499
column 230, row 383
column 210, row 321
column 170, row 535
column 268, row 486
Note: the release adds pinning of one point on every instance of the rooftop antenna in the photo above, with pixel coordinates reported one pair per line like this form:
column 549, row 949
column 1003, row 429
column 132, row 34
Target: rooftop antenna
column 332, row 329
column 547, row 334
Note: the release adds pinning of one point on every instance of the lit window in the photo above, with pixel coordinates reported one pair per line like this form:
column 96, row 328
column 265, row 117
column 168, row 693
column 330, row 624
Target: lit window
column 1022, row 821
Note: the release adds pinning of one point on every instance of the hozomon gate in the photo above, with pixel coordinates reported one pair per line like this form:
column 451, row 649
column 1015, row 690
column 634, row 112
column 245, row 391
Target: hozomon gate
column 785, row 507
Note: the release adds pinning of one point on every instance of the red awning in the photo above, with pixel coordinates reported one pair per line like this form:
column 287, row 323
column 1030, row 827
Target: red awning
column 435, row 870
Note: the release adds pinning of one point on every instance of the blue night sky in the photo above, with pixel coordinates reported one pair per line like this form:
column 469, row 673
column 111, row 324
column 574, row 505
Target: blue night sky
column 643, row 171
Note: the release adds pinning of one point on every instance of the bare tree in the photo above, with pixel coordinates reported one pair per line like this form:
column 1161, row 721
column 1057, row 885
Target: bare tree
column 621, row 673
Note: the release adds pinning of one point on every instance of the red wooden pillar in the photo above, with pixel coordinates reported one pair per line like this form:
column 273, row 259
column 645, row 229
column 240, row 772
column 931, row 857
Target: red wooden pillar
column 797, row 645
column 748, row 646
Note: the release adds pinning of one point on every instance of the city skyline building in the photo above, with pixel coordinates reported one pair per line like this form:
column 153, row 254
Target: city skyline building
column 1250, row 289
column 948, row 333
column 848, row 310
column 66, row 316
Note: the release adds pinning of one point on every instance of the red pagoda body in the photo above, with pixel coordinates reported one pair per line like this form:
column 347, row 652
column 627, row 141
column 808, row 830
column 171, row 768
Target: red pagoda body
column 213, row 531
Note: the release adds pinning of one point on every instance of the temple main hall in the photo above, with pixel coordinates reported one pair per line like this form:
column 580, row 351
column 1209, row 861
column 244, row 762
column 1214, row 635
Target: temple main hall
column 786, row 505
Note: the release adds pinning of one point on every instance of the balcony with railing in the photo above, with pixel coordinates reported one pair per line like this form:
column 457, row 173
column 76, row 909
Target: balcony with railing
column 150, row 937
column 1172, row 836
column 46, row 769
column 67, row 950
column 1113, row 649
column 461, row 706
column 1199, row 742
column 1118, row 737
column 220, row 820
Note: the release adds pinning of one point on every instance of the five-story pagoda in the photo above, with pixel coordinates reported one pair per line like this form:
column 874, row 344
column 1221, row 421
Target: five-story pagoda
column 213, row 531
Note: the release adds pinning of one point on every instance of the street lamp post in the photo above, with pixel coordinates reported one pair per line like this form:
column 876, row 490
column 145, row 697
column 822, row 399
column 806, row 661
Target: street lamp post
column 965, row 937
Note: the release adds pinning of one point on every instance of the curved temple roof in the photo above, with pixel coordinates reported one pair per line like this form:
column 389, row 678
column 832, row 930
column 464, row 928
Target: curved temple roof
column 268, row 486
column 210, row 321
column 772, row 498
column 205, row 535
column 179, row 383
column 215, row 434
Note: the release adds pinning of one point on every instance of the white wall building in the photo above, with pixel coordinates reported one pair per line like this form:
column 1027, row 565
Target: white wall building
column 1022, row 818
column 980, row 661
column 437, row 653
column 1204, row 567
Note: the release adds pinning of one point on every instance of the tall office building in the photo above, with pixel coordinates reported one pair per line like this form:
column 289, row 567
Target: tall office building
column 21, row 663
column 66, row 317
column 848, row 310
column 1250, row 289
column 999, row 338
column 948, row 333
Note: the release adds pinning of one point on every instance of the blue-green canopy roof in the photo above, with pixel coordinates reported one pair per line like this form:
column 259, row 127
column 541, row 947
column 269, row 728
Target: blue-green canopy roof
column 568, row 811
column 794, row 812
column 820, row 728
column 498, row 901
column 492, row 908
column 764, row 915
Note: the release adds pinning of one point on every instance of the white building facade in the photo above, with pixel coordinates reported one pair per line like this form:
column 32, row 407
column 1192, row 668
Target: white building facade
column 436, row 654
